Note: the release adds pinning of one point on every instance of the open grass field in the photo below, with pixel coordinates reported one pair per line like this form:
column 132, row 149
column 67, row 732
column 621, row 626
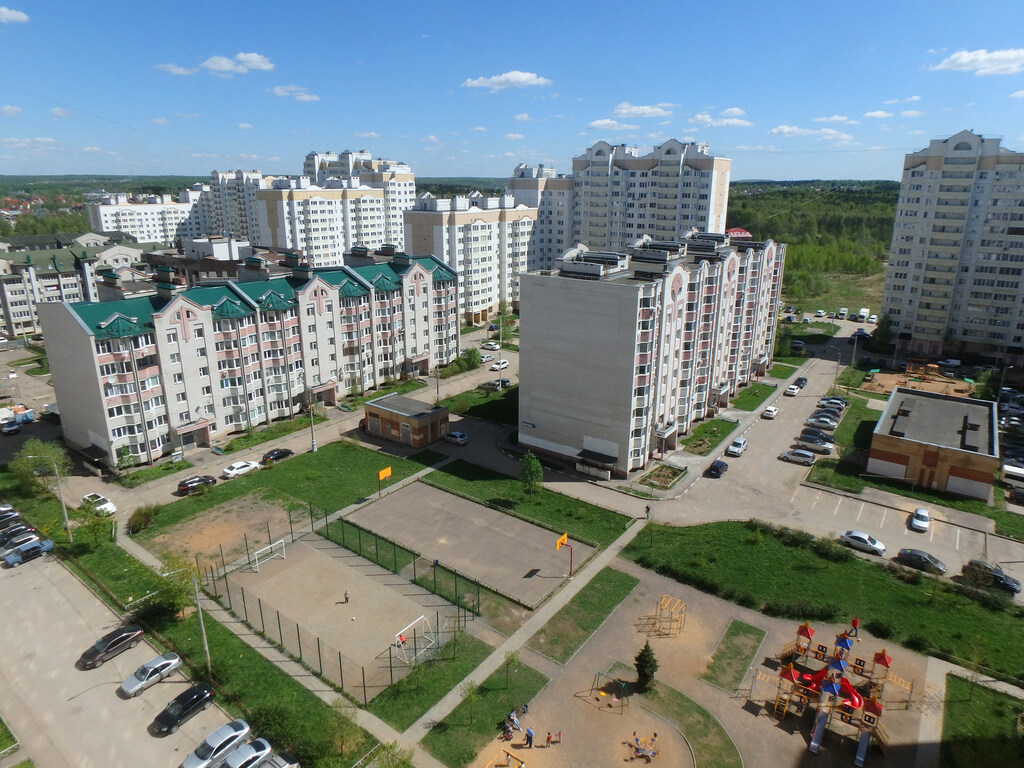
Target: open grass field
column 979, row 726
column 751, row 398
column 708, row 435
column 844, row 290
column 138, row 477
column 781, row 371
column 762, row 571
column 499, row 406
column 733, row 655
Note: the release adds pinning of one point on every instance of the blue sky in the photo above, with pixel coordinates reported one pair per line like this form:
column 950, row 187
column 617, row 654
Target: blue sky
column 789, row 90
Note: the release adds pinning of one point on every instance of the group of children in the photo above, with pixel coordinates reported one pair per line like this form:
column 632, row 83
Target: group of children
column 512, row 722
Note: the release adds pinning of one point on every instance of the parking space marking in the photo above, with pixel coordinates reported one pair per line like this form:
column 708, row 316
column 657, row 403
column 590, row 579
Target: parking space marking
column 839, row 503
column 860, row 511
column 958, row 538
column 885, row 512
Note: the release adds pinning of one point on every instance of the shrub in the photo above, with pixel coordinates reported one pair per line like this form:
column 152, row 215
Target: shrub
column 142, row 517
column 801, row 609
column 792, row 537
column 880, row 628
column 830, row 549
column 907, row 575
column 917, row 642
column 988, row 598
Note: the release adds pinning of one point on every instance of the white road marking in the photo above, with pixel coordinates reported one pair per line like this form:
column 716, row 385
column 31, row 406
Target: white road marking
column 958, row 538
column 884, row 513
column 839, row 503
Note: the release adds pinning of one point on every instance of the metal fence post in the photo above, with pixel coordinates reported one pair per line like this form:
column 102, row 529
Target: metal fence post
column 391, row 665
column 364, row 687
column 245, row 610
column 269, row 539
column 394, row 554
column 298, row 636
column 223, row 563
column 341, row 672
column 319, row 658
column 291, row 531
column 248, row 557
column 280, row 633
column 312, row 527
column 227, row 589
column 263, row 624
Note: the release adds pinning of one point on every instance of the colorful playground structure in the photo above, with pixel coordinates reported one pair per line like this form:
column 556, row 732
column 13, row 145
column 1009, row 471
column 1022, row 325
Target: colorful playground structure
column 856, row 706
column 643, row 748
column 668, row 619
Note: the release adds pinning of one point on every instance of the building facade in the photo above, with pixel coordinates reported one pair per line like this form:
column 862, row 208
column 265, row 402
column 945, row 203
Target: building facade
column 160, row 219
column 622, row 352
column 486, row 240
column 229, row 207
column 182, row 367
column 953, row 284
column 551, row 194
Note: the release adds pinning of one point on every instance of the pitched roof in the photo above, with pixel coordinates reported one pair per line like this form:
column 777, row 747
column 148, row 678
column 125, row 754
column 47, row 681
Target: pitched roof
column 117, row 319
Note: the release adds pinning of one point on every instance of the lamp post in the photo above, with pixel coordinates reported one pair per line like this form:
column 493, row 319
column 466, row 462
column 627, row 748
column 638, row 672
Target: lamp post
column 199, row 610
column 1002, row 379
column 309, row 401
column 60, row 495
column 839, row 364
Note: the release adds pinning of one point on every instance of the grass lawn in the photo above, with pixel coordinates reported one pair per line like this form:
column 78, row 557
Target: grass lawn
column 750, row 398
column 853, row 375
column 399, row 388
column 499, row 406
column 826, row 328
column 400, row 705
column 272, row 432
column 733, row 655
column 760, row 570
column 979, row 726
column 569, row 629
column 781, row 371
column 457, row 739
column 662, row 476
column 7, row 738
column 582, row 521
column 843, row 290
column 137, row 477
column 706, row 437
column 302, row 478
column 709, row 741
column 856, row 427
column 793, row 360
column 26, row 763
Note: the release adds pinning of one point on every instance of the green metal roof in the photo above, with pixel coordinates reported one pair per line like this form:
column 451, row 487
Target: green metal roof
column 440, row 272
column 117, row 319
column 53, row 259
column 381, row 276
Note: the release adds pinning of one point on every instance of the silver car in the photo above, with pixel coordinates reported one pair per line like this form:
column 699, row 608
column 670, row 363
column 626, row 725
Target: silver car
column 17, row 541
column 253, row 754
column 863, row 542
column 151, row 673
column 215, row 748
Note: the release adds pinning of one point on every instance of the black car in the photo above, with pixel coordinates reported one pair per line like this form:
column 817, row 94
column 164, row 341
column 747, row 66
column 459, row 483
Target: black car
column 978, row 572
column 7, row 515
column 13, row 532
column 278, row 454
column 111, row 644
column 801, row 381
column 819, row 434
column 916, row 558
column 190, row 485
column 181, row 708
column 717, row 468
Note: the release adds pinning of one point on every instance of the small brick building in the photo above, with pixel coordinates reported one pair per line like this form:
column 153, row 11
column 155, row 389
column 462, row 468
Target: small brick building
column 405, row 420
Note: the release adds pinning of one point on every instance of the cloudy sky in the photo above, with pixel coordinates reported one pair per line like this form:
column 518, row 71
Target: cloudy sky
column 790, row 90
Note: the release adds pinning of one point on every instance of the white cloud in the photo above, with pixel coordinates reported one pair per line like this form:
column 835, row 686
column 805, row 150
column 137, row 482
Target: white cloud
column 90, row 149
column 791, row 130
column 914, row 133
column 368, row 135
column 481, row 128
column 903, row 101
column 733, row 112
column 606, row 124
column 245, row 126
column 11, row 16
column 242, row 63
column 13, row 142
column 824, row 134
column 912, row 98
column 1008, row 61
column 10, row 111
column 514, row 136
column 159, row 120
column 625, row 109
column 522, row 117
column 891, row 101
column 203, row 154
column 664, row 122
column 911, row 113
column 174, row 69
column 878, row 113
column 274, row 159
column 186, row 114
column 511, row 79
column 836, row 119
column 1017, row 95
column 706, row 120
column 296, row 92
column 247, row 156
column 758, row 148
column 431, row 139
column 58, row 112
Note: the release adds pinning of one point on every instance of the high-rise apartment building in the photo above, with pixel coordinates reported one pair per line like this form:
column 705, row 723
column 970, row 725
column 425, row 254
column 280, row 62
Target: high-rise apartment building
column 956, row 262
column 486, row 240
column 621, row 353
column 551, row 194
column 159, row 219
column 230, row 209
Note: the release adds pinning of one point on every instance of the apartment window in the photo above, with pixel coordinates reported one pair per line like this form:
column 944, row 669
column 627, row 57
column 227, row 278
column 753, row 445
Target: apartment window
column 178, row 378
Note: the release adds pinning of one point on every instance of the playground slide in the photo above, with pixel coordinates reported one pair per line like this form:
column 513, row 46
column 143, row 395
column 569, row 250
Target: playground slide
column 853, row 699
column 814, row 681
column 819, row 731
column 862, row 749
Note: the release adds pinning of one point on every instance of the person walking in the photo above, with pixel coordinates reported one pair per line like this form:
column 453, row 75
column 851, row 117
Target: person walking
column 647, row 512
column 529, row 738
column 549, row 740
column 346, row 596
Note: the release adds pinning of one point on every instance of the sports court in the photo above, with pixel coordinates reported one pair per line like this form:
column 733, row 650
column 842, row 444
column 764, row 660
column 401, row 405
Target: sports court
column 502, row 552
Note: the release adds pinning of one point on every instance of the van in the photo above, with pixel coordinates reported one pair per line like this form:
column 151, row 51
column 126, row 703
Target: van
column 843, row 312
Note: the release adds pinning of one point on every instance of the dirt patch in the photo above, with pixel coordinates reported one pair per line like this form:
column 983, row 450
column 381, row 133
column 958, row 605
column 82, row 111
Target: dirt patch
column 254, row 519
column 662, row 477
column 886, row 382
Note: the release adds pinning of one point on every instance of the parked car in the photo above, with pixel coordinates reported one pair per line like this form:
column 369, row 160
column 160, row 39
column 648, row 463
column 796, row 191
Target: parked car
column 811, row 432
column 181, row 708
column 499, row 365
column 215, row 748
column 792, row 390
column 150, row 673
column 10, row 427
column 797, row 344
column 190, row 485
column 816, row 446
column 111, row 644
column 919, row 520
column 872, row 318
column 252, row 755
column 832, row 402
column 101, row 504
column 278, row 454
column 921, row 560
column 12, row 532
column 770, row 412
column 798, row 456
column 240, row 468
column 486, row 358
column 25, row 537
column 822, row 423
column 8, row 514
column 985, row 574
column 495, row 384
column 820, row 313
column 800, row 381
column 491, row 345
column 788, row 309
column 736, row 447
column 458, row 438
column 829, row 413
column 27, row 552
column 716, row 469
column 863, row 542
column 840, row 400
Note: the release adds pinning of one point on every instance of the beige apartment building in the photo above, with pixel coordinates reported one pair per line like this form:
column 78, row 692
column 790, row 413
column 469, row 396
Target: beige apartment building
column 551, row 194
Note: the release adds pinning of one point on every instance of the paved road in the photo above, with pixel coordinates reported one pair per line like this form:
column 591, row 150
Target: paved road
column 67, row 717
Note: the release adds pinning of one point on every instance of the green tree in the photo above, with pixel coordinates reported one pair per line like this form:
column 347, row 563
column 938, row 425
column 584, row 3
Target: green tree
column 177, row 593
column 391, row 755
column 472, row 358
column 125, row 458
column 471, row 694
column 646, row 665
column 532, row 473
column 33, row 465
column 511, row 660
column 91, row 522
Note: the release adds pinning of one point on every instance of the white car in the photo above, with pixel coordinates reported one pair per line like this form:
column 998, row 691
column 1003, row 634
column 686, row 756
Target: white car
column 499, row 365
column 458, row 438
column 770, row 412
column 736, row 447
column 820, row 313
column 240, row 468
column 919, row 520
column 491, row 345
column 486, row 358
column 792, row 390
column 863, row 542
column 101, row 504
column 151, row 673
column 215, row 748
column 873, row 318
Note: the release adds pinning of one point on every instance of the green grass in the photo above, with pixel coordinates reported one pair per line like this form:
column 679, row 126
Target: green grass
column 707, row 738
column 7, row 739
column 398, row 388
column 759, row 570
column 500, row 406
column 576, row 621
column 826, row 328
column 138, row 477
column 271, row 432
column 979, row 726
column 853, row 376
column 753, row 396
column 852, row 291
column 582, row 521
column 310, row 477
column 857, row 426
column 733, row 655
column 457, row 739
column 708, row 435
column 781, row 371
column 26, row 763
column 402, row 704
column 789, row 360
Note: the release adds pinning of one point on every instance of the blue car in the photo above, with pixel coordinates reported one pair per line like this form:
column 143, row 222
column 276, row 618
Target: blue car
column 26, row 552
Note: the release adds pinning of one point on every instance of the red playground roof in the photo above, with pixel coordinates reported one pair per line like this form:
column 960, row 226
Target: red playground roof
column 883, row 659
column 789, row 673
column 804, row 630
column 873, row 707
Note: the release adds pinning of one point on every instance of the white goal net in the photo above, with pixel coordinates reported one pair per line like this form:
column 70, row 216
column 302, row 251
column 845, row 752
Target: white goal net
column 415, row 640
column 269, row 552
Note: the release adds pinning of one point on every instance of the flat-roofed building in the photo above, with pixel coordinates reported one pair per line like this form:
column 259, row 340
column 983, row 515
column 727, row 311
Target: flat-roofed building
column 405, row 420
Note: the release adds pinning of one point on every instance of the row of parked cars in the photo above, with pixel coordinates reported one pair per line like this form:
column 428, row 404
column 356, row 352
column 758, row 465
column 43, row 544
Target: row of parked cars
column 19, row 541
column 195, row 483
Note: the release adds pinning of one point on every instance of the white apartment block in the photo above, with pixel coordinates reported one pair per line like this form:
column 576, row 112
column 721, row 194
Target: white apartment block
column 183, row 367
column 229, row 204
column 956, row 262
column 620, row 195
column 486, row 240
column 160, row 219
column 551, row 194
column 622, row 353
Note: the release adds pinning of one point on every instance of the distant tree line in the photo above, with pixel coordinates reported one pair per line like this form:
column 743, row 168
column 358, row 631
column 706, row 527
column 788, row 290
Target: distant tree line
column 450, row 187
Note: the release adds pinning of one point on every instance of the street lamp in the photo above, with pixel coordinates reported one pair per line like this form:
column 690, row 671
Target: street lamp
column 60, row 494
column 199, row 610
column 309, row 402
column 839, row 364
column 1002, row 379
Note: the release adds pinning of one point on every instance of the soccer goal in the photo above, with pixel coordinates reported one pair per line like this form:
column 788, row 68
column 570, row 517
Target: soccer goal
column 415, row 640
column 266, row 553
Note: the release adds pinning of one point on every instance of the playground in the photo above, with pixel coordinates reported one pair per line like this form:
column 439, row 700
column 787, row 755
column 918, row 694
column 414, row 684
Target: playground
column 919, row 375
